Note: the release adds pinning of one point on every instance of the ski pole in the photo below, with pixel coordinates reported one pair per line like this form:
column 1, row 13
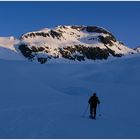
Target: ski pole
column 84, row 113
column 99, row 110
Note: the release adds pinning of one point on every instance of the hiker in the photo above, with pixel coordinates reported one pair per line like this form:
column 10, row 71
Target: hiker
column 93, row 101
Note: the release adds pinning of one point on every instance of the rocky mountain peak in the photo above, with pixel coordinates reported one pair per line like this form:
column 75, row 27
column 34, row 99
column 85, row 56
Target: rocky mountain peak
column 73, row 43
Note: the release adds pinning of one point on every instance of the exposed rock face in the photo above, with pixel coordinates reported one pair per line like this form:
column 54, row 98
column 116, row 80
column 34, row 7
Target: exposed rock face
column 76, row 43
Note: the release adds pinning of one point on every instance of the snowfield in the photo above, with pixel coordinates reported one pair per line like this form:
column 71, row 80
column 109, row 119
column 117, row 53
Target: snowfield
column 48, row 101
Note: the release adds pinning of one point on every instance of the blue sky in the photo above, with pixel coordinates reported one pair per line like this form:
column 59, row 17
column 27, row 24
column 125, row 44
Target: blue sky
column 120, row 18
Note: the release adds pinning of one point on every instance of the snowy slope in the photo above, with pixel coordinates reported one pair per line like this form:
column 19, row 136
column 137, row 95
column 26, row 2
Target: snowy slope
column 47, row 101
column 7, row 49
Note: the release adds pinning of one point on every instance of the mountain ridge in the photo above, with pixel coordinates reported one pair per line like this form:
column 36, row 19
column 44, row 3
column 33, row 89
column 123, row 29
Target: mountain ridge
column 68, row 43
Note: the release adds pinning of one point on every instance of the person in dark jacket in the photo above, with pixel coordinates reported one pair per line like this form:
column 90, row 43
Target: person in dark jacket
column 93, row 101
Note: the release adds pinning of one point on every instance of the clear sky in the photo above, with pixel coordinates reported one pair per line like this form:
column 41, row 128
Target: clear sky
column 120, row 18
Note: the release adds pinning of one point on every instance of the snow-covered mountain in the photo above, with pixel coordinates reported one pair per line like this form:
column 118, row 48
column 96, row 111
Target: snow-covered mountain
column 67, row 43
column 8, row 50
column 51, row 101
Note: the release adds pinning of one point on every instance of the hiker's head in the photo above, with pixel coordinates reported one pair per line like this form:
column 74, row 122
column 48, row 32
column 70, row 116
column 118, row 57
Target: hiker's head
column 94, row 94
